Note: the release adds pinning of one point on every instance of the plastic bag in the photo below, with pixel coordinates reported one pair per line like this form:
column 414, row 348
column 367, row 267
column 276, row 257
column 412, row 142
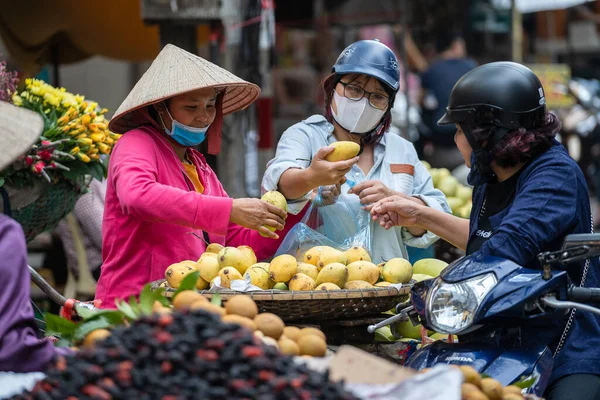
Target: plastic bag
column 332, row 224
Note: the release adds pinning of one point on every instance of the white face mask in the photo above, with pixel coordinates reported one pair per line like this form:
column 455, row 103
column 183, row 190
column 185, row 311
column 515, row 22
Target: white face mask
column 356, row 116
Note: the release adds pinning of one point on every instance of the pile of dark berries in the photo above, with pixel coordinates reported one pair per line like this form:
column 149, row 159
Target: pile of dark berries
column 182, row 356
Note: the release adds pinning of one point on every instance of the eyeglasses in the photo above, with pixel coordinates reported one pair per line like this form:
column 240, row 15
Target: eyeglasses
column 355, row 93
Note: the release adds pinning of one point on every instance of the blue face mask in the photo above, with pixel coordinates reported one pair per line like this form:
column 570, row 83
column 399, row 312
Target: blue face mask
column 185, row 135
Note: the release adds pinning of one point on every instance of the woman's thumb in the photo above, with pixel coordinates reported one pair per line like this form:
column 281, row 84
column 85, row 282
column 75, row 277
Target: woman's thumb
column 323, row 152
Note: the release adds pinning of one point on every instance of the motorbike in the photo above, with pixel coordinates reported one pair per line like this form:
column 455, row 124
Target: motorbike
column 491, row 303
column 580, row 132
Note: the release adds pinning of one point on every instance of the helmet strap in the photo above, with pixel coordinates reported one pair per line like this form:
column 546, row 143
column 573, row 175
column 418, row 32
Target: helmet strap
column 482, row 156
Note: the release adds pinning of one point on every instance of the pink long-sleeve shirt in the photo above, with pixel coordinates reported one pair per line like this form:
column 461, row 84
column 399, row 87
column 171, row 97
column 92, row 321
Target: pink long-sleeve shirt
column 152, row 211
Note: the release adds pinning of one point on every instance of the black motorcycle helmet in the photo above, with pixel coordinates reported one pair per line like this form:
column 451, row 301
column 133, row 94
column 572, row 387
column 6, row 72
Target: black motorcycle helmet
column 503, row 96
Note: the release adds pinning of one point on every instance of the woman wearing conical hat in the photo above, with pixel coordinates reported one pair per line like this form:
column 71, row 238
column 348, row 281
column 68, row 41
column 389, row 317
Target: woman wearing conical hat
column 162, row 196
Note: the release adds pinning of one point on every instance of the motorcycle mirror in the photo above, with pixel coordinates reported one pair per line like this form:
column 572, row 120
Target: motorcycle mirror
column 576, row 247
column 581, row 239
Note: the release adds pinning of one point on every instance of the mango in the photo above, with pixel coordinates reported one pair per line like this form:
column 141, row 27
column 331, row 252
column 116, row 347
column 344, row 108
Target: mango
column 227, row 275
column 214, row 248
column 233, row 257
column 312, row 255
column 358, row 284
column 421, row 277
column 455, row 204
column 259, row 276
column 280, row 286
column 407, row 330
column 357, row 254
column 301, row 282
column 308, row 269
column 465, row 211
column 208, row 255
column 278, row 200
column 363, row 271
column 380, row 267
column 448, row 185
column 335, row 273
column 328, row 256
column 328, row 286
column 429, row 266
column 397, row 270
column 465, row 193
column 426, row 165
column 209, row 268
column 176, row 272
column 249, row 254
column 343, row 150
column 282, row 268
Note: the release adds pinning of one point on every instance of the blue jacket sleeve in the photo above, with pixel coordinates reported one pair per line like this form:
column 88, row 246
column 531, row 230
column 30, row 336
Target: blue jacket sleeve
column 543, row 210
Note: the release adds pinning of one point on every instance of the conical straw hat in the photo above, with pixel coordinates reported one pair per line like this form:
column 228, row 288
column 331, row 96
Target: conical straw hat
column 174, row 72
column 19, row 129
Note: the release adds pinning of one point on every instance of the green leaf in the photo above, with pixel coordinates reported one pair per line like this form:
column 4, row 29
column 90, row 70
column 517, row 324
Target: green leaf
column 135, row 306
column 115, row 316
column 161, row 297
column 525, row 382
column 84, row 312
column 147, row 297
column 97, row 171
column 1, row 181
column 188, row 283
column 216, row 299
column 58, row 326
column 89, row 326
column 126, row 309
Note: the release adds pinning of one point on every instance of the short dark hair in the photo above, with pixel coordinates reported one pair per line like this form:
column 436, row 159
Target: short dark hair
column 520, row 145
column 444, row 40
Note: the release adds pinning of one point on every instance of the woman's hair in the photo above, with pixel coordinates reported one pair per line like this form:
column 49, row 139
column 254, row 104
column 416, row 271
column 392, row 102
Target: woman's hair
column 330, row 82
column 520, row 145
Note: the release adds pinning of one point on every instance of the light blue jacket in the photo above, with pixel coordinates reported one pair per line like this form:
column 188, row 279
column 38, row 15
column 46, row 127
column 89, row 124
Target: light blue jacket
column 302, row 140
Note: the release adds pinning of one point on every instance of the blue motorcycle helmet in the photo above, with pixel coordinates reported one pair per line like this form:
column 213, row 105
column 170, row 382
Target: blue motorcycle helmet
column 371, row 58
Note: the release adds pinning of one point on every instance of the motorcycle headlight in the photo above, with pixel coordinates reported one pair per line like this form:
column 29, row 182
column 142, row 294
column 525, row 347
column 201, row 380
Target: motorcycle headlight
column 451, row 307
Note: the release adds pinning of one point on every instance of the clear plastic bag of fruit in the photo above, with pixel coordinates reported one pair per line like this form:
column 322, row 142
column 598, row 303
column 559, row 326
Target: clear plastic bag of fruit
column 328, row 222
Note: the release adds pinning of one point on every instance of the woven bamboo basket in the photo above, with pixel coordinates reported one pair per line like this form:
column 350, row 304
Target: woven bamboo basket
column 318, row 305
column 41, row 207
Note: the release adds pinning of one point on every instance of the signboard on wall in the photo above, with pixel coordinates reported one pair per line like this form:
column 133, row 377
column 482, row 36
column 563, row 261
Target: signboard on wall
column 181, row 10
column 554, row 78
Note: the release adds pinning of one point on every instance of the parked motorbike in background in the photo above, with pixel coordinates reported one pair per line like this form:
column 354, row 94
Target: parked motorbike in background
column 580, row 132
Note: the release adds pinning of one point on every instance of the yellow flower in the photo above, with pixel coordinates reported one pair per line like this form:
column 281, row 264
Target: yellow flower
column 17, row 100
column 36, row 91
column 87, row 141
column 75, row 150
column 52, row 100
column 109, row 141
column 28, row 81
column 92, row 150
column 104, row 149
column 79, row 98
column 83, row 157
column 95, row 157
column 93, row 128
column 85, row 120
column 97, row 137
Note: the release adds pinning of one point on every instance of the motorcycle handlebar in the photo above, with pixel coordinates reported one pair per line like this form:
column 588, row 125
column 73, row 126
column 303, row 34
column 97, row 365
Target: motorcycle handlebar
column 584, row 295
